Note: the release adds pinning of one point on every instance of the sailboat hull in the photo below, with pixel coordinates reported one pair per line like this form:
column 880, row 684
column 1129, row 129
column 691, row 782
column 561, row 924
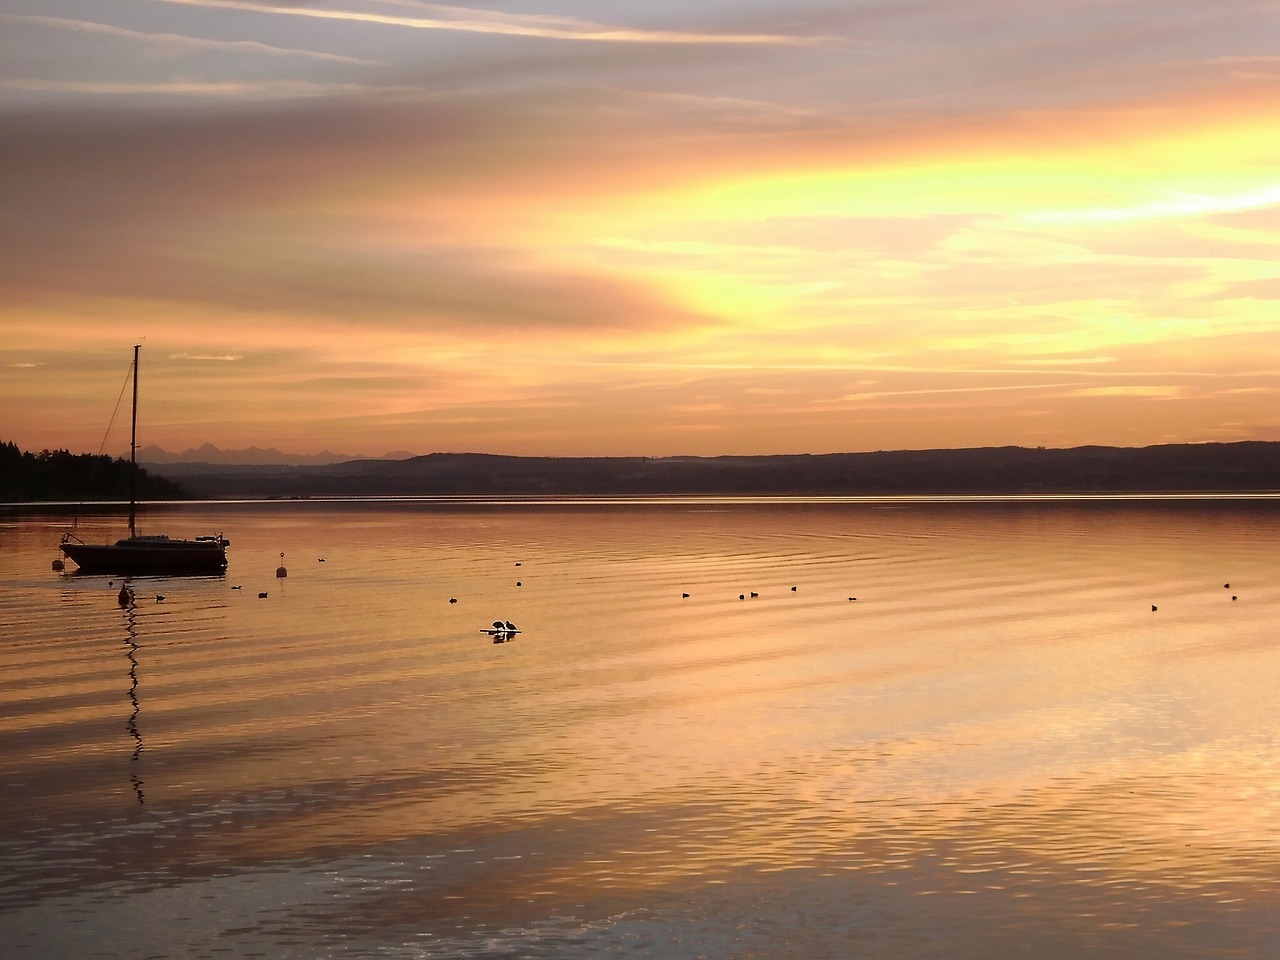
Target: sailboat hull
column 155, row 555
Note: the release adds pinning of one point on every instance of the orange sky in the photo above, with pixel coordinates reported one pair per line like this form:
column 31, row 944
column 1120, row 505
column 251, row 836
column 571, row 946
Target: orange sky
column 651, row 229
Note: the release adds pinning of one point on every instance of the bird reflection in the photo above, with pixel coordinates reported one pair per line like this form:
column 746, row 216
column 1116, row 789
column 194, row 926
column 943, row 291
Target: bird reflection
column 131, row 641
column 502, row 631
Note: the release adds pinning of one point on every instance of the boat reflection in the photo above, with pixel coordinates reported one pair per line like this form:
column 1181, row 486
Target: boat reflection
column 130, row 612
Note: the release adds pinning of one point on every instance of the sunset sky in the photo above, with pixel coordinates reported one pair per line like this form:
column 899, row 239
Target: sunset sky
column 708, row 227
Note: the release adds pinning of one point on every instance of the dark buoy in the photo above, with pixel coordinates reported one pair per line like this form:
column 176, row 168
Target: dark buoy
column 1154, row 608
column 684, row 596
column 793, row 589
column 124, row 597
column 519, row 584
column 58, row 565
column 742, row 596
column 1233, row 596
column 1226, row 586
column 280, row 570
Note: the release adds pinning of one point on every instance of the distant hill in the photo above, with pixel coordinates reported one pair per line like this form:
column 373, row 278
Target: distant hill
column 208, row 453
column 1246, row 466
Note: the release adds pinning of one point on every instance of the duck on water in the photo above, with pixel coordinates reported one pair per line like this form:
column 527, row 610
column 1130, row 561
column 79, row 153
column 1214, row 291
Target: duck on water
column 152, row 553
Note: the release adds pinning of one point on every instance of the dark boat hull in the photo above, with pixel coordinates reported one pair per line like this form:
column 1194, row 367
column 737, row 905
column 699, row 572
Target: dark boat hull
column 155, row 555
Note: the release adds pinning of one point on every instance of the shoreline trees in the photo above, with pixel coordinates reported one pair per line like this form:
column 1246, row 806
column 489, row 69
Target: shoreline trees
column 60, row 475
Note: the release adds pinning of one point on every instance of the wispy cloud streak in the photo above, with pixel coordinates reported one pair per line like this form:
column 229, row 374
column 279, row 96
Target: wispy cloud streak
column 234, row 89
column 1168, row 208
column 511, row 25
column 176, row 40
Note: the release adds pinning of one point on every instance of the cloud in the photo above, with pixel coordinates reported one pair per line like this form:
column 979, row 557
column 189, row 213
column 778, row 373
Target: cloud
column 305, row 272
column 1177, row 206
column 205, row 356
column 1065, row 361
column 932, row 391
column 176, row 41
column 234, row 90
column 467, row 20
column 1151, row 391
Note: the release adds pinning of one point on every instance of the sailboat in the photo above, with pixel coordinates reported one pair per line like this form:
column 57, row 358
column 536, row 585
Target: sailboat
column 150, row 554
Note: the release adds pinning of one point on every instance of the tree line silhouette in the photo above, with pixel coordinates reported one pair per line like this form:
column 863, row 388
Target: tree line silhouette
column 60, row 475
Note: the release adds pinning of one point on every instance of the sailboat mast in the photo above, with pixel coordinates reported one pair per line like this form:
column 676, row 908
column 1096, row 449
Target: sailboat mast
column 133, row 450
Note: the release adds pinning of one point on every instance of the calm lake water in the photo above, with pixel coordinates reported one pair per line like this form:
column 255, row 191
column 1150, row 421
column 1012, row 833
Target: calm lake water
column 998, row 749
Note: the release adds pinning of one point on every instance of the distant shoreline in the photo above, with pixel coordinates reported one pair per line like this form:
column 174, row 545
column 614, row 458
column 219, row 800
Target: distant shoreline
column 1243, row 467
column 1246, row 467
